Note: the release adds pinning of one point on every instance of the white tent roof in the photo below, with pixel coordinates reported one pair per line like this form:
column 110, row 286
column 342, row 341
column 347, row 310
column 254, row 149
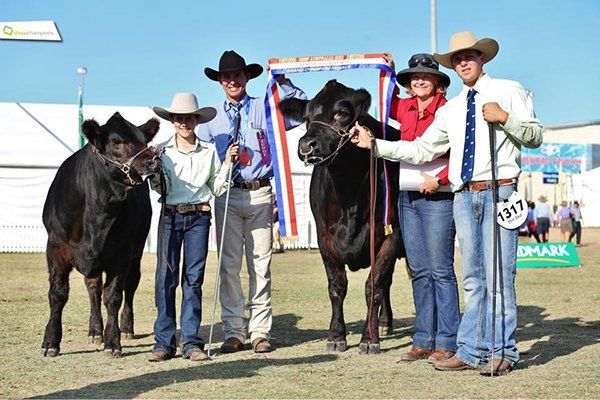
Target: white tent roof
column 44, row 135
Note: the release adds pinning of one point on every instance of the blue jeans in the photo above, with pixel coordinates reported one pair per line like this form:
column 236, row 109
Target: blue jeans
column 428, row 233
column 190, row 230
column 473, row 217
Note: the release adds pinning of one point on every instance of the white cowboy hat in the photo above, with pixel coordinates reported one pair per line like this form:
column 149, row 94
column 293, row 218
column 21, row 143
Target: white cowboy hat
column 466, row 41
column 186, row 103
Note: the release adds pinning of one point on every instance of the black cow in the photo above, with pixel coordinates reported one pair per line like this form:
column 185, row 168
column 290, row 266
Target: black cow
column 97, row 214
column 340, row 198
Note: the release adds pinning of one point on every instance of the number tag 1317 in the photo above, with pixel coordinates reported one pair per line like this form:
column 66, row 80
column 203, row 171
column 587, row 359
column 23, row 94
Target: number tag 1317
column 512, row 212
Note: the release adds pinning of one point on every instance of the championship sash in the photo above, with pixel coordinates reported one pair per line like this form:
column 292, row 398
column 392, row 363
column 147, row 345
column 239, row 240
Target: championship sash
column 276, row 125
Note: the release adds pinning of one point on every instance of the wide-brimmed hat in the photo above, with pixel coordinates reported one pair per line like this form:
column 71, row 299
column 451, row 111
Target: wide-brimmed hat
column 542, row 198
column 425, row 64
column 231, row 61
column 186, row 103
column 467, row 41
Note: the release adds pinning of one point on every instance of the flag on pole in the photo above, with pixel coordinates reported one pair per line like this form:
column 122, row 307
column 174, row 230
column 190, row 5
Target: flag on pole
column 81, row 137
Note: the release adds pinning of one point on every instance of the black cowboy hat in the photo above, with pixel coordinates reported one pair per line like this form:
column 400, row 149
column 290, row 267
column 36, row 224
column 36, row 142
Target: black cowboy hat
column 425, row 64
column 231, row 61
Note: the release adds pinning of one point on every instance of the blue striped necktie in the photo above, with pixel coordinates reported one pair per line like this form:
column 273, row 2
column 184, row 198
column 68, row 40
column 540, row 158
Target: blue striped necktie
column 469, row 154
column 236, row 109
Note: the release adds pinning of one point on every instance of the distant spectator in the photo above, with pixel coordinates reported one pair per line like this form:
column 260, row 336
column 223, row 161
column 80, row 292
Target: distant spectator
column 577, row 220
column 543, row 217
column 563, row 216
column 531, row 224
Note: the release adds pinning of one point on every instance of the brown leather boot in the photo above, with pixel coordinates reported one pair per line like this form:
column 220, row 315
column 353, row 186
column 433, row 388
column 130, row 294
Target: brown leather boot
column 197, row 355
column 501, row 367
column 232, row 345
column 417, row 353
column 160, row 355
column 440, row 355
column 452, row 364
column 261, row 345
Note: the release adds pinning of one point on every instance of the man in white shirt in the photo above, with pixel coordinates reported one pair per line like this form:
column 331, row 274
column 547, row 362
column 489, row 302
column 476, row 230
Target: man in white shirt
column 507, row 106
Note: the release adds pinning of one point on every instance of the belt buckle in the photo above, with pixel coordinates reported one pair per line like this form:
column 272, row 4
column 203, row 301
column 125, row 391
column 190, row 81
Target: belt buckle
column 185, row 208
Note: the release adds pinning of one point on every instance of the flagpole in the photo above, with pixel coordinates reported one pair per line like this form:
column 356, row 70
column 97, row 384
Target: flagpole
column 433, row 27
column 81, row 71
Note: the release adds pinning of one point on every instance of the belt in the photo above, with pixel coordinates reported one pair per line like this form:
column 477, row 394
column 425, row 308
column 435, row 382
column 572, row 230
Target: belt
column 186, row 208
column 252, row 185
column 476, row 186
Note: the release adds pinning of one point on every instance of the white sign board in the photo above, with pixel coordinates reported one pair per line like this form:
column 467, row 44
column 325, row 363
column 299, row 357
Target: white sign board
column 30, row 30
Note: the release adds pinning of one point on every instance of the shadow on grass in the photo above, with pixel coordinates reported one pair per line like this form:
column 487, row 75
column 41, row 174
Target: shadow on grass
column 566, row 335
column 286, row 333
column 137, row 385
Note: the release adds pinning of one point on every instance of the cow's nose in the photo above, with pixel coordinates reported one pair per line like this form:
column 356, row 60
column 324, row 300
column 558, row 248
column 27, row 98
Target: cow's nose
column 307, row 145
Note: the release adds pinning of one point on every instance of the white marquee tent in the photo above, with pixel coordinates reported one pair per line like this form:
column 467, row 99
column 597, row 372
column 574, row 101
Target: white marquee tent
column 37, row 138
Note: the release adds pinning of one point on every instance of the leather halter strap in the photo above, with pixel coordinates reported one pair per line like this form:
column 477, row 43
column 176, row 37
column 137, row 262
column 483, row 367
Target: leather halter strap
column 126, row 167
column 344, row 135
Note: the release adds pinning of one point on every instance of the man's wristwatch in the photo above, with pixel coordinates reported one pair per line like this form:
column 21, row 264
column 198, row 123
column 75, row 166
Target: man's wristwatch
column 439, row 181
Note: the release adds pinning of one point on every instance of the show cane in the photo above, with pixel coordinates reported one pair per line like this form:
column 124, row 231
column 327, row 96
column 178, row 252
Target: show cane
column 494, row 241
column 236, row 131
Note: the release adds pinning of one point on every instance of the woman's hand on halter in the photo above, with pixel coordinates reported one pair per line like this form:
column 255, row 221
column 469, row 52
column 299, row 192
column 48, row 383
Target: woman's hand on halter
column 361, row 136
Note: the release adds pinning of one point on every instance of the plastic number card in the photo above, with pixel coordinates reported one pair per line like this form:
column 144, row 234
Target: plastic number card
column 512, row 212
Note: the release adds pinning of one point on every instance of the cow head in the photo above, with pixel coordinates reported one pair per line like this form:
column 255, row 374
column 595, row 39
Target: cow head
column 329, row 116
column 125, row 146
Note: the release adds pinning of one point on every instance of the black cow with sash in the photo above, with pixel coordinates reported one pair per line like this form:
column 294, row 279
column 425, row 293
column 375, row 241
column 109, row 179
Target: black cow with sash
column 97, row 214
column 340, row 202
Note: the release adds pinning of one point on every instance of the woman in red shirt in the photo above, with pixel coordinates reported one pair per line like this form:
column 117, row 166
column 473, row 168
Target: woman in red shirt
column 426, row 219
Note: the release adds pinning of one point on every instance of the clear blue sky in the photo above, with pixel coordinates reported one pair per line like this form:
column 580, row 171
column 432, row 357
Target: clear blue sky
column 141, row 52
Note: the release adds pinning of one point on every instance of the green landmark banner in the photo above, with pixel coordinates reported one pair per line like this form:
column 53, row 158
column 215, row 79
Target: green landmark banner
column 544, row 255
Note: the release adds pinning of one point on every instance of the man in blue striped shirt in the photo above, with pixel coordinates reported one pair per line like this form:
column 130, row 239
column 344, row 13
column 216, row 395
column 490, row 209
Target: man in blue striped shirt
column 250, row 213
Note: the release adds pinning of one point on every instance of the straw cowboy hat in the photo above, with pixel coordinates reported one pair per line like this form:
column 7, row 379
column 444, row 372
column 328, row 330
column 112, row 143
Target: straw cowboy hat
column 186, row 103
column 467, row 41
column 422, row 63
column 542, row 198
column 231, row 61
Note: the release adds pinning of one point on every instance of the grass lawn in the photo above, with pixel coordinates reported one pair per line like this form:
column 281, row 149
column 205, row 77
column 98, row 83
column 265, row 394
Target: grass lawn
column 559, row 335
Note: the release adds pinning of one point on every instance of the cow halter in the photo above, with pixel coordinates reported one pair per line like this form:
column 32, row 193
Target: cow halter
column 344, row 135
column 126, row 167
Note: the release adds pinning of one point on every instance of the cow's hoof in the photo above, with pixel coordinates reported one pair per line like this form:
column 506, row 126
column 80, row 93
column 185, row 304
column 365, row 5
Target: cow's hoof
column 50, row 352
column 369, row 348
column 96, row 340
column 127, row 336
column 340, row 345
column 363, row 348
column 374, row 348
column 113, row 353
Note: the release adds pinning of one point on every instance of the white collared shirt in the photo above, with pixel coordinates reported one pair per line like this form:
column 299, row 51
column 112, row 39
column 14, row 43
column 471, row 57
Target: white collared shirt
column 192, row 176
column 447, row 132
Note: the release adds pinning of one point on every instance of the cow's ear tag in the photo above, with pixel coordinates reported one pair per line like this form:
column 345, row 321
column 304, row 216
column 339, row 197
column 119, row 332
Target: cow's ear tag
column 512, row 212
